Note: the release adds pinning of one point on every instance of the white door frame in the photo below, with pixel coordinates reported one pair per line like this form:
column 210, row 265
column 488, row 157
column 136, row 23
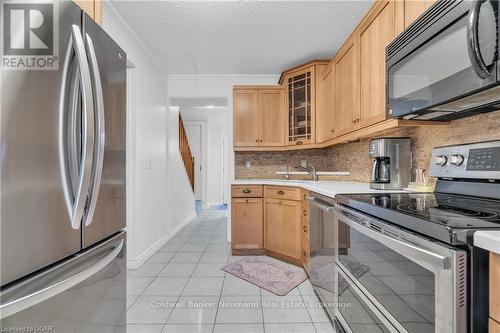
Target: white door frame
column 203, row 152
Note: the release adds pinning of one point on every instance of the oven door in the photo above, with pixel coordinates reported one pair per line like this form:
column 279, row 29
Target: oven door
column 445, row 62
column 418, row 284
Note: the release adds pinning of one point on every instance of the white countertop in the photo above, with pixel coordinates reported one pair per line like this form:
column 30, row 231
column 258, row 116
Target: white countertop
column 328, row 188
column 488, row 240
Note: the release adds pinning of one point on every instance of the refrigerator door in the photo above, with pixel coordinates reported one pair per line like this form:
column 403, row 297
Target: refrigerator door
column 105, row 214
column 36, row 223
column 86, row 293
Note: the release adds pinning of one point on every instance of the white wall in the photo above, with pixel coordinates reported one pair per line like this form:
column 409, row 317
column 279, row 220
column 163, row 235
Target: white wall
column 147, row 224
column 215, row 190
column 180, row 196
column 216, row 86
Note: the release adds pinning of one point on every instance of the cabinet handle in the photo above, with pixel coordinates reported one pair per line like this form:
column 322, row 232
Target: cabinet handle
column 257, row 140
column 304, row 228
column 304, row 212
column 281, row 192
column 357, row 120
column 298, row 142
column 332, row 131
column 260, row 140
column 304, row 253
column 247, row 191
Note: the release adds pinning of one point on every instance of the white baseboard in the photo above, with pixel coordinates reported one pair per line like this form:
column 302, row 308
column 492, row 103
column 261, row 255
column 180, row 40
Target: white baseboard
column 144, row 256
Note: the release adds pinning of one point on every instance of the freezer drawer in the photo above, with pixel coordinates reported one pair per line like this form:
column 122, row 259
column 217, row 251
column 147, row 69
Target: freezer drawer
column 86, row 293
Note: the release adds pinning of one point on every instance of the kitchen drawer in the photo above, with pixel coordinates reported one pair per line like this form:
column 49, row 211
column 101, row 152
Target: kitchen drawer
column 282, row 192
column 304, row 229
column 494, row 287
column 305, row 197
column 494, row 326
column 305, row 211
column 246, row 191
column 304, row 253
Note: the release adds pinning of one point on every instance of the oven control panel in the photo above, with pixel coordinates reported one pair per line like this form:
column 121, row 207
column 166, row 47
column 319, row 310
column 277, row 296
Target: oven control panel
column 470, row 161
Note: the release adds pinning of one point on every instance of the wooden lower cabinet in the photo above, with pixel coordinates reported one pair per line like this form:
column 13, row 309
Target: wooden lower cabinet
column 282, row 227
column 495, row 289
column 246, row 224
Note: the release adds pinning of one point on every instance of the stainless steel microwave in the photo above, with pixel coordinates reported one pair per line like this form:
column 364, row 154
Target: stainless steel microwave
column 446, row 64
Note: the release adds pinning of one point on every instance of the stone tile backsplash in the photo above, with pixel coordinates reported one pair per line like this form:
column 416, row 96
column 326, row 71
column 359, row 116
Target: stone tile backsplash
column 353, row 156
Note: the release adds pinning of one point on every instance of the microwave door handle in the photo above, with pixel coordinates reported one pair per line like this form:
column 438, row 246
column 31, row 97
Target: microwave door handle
column 473, row 41
column 100, row 131
column 427, row 258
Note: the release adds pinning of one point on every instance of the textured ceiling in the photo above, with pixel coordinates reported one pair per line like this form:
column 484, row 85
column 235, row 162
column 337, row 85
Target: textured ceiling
column 240, row 37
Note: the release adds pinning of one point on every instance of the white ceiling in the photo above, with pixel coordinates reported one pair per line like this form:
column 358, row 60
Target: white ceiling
column 241, row 37
column 201, row 108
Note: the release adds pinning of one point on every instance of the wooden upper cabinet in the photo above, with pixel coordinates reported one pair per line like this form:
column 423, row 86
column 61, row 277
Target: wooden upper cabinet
column 414, row 8
column 376, row 32
column 93, row 8
column 346, row 107
column 325, row 120
column 300, row 106
column 246, row 117
column 271, row 117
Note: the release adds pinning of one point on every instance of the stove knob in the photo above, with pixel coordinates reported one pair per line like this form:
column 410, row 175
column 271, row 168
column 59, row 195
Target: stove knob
column 441, row 160
column 457, row 159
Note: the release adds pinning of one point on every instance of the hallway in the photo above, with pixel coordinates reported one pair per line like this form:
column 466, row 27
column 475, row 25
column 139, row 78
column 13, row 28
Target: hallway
column 183, row 289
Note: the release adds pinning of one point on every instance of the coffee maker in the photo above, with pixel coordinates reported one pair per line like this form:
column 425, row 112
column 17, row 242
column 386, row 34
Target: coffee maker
column 391, row 163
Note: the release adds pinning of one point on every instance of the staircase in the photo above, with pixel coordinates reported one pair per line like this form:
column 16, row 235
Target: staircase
column 187, row 156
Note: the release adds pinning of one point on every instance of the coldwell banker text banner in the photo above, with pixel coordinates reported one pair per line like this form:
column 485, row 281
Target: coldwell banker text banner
column 30, row 35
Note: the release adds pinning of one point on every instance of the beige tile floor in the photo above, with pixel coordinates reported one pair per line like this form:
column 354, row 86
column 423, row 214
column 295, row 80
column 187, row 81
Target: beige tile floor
column 183, row 289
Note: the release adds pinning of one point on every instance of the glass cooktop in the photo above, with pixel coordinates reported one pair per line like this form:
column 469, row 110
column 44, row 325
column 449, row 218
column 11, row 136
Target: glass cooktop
column 429, row 213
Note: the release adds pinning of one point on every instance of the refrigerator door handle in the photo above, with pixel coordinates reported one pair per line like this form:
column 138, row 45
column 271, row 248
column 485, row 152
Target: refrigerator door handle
column 76, row 199
column 14, row 306
column 52, row 289
column 101, row 130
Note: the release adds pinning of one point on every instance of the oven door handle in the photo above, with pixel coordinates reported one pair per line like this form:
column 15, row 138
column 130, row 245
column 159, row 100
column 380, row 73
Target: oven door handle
column 426, row 258
column 315, row 202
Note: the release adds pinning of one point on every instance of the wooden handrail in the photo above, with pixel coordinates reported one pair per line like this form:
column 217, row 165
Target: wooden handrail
column 187, row 156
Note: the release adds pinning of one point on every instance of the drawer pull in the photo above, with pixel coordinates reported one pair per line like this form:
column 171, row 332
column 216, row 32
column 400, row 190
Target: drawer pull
column 247, row 191
column 304, row 253
column 281, row 192
column 299, row 142
column 304, row 212
column 304, row 228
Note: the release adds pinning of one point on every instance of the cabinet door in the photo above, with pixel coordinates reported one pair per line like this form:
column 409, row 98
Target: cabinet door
column 300, row 107
column 246, row 223
column 375, row 35
column 325, row 120
column 414, row 8
column 93, row 8
column 246, row 117
column 346, row 111
column 272, row 117
column 282, row 227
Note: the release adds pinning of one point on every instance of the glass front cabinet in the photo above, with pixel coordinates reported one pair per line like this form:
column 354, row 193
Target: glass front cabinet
column 301, row 90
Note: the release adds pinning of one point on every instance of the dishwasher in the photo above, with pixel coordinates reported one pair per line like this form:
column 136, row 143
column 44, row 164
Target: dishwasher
column 322, row 252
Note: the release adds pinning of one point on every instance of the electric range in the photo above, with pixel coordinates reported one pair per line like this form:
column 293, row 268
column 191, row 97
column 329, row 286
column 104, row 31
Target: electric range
column 406, row 262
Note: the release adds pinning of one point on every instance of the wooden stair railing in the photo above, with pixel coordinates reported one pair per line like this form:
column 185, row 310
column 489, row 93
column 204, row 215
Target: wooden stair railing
column 187, row 156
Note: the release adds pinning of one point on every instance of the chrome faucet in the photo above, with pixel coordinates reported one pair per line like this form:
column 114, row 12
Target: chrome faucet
column 287, row 175
column 304, row 164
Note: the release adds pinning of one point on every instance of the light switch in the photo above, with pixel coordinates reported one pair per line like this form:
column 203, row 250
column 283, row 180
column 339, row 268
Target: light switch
column 148, row 163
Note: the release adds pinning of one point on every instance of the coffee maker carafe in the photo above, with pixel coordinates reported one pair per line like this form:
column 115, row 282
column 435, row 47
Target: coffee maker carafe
column 391, row 163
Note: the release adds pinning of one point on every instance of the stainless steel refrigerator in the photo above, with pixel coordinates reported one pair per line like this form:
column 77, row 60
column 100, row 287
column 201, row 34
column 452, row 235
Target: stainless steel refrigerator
column 62, row 150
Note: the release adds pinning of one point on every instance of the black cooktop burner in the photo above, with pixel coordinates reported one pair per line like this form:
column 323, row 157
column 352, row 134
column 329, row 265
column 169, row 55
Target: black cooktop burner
column 437, row 215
